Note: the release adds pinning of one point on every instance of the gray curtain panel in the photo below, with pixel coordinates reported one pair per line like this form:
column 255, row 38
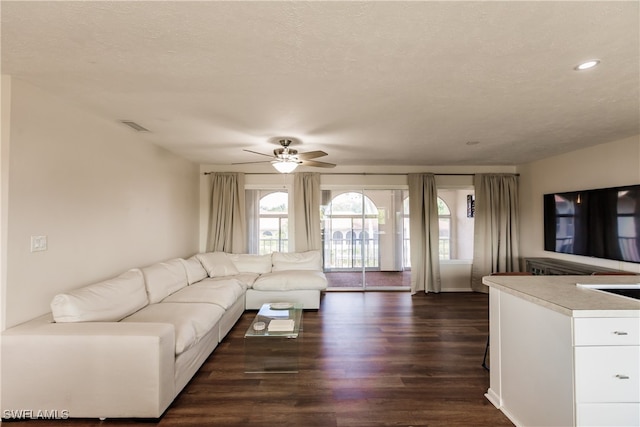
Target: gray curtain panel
column 496, row 231
column 306, row 211
column 227, row 222
column 424, row 230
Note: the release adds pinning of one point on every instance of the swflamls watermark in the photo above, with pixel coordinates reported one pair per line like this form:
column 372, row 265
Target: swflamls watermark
column 35, row 414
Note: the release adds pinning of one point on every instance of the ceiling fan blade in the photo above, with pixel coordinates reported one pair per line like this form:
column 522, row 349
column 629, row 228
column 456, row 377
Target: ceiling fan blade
column 255, row 152
column 311, row 155
column 317, row 164
column 249, row 163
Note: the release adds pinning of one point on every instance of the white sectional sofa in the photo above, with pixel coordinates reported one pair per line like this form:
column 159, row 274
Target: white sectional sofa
column 125, row 347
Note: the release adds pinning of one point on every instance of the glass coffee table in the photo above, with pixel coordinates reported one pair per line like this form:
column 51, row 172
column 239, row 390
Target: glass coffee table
column 271, row 343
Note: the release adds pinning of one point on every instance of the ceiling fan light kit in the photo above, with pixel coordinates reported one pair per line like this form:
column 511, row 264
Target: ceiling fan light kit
column 285, row 166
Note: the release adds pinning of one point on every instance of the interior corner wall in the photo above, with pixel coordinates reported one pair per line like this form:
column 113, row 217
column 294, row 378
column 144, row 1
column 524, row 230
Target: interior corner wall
column 611, row 164
column 5, row 132
column 106, row 199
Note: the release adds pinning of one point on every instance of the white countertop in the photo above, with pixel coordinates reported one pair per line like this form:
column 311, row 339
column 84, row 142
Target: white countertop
column 560, row 293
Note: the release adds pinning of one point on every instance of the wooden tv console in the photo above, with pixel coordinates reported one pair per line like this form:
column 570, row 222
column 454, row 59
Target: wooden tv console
column 556, row 267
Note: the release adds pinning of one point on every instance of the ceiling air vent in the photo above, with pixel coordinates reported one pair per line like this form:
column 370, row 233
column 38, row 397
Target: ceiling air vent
column 134, row 126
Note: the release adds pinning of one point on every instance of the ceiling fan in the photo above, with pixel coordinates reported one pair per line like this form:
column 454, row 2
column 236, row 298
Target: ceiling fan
column 286, row 159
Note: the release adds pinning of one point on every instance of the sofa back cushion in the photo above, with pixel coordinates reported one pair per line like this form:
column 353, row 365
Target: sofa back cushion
column 106, row 301
column 217, row 264
column 195, row 270
column 248, row 263
column 164, row 278
column 310, row 260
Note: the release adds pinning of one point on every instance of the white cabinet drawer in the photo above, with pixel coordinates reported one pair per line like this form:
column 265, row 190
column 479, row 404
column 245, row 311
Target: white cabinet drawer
column 606, row 331
column 608, row 414
column 607, row 374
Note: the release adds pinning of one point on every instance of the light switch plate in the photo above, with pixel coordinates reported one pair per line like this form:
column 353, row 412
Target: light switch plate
column 38, row 243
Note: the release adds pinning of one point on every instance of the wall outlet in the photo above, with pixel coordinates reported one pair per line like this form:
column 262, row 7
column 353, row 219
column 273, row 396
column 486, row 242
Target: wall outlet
column 38, row 243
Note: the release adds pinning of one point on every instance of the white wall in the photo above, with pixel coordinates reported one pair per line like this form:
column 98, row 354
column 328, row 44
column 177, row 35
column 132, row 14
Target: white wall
column 106, row 199
column 606, row 165
column 455, row 275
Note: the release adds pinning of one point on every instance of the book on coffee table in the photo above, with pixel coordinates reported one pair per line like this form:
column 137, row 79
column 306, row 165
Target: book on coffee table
column 281, row 325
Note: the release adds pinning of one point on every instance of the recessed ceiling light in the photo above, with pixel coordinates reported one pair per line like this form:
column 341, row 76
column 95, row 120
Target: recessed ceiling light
column 587, row 64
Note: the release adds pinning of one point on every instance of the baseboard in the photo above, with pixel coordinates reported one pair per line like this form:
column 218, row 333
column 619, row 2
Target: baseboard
column 493, row 398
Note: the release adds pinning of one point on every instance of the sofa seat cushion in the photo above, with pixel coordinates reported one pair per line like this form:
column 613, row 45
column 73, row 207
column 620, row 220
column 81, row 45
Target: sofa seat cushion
column 221, row 292
column 164, row 278
column 106, row 301
column 284, row 261
column 291, row 280
column 191, row 321
column 245, row 279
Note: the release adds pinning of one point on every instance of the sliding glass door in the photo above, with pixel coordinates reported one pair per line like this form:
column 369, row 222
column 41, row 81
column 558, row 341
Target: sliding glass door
column 365, row 240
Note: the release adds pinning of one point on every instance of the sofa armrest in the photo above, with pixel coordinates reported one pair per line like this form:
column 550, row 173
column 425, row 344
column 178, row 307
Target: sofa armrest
column 89, row 369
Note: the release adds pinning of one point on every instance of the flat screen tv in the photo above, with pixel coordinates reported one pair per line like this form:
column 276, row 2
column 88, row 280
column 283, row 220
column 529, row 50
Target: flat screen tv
column 601, row 223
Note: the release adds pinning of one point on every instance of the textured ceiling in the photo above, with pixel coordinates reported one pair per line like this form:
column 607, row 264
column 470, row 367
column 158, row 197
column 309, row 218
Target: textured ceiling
column 370, row 83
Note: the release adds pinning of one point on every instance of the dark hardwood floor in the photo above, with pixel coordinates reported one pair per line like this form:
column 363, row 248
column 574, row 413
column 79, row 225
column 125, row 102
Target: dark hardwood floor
column 366, row 360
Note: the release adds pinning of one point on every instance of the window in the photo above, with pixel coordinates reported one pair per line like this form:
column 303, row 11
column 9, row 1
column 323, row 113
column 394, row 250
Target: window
column 354, row 216
column 274, row 223
column 267, row 215
column 361, row 229
column 406, row 259
column 455, row 227
column 444, row 221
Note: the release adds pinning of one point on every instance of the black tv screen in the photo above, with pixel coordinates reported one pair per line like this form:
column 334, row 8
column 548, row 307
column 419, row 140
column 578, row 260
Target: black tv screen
column 601, row 223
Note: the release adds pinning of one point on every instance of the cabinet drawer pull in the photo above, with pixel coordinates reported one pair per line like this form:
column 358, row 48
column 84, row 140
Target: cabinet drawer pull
column 622, row 377
column 620, row 333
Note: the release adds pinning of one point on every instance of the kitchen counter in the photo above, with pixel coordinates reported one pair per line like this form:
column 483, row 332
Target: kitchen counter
column 560, row 294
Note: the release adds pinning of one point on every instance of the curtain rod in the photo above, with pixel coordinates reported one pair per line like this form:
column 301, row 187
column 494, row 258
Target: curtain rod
column 365, row 173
